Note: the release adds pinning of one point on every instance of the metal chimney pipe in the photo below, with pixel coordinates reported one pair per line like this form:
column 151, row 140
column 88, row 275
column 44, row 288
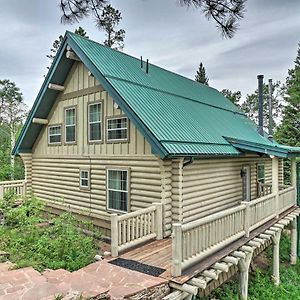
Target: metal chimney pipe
column 260, row 128
column 270, row 110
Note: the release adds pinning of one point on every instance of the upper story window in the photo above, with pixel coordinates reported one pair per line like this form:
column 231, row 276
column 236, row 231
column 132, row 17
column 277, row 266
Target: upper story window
column 54, row 134
column 117, row 129
column 84, row 180
column 95, row 122
column 70, row 125
column 117, row 190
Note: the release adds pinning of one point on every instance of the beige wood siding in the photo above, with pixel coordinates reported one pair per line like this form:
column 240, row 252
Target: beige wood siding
column 210, row 186
column 77, row 81
column 56, row 180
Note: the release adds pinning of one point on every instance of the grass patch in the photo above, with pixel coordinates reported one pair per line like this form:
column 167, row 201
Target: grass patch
column 60, row 245
column 261, row 286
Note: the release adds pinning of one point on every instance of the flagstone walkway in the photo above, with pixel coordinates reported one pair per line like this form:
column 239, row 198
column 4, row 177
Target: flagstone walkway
column 100, row 280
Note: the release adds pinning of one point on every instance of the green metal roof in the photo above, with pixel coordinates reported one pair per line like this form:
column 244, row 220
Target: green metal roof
column 178, row 116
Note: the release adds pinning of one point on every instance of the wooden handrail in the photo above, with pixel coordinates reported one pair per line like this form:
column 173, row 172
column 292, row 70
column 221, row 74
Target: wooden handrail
column 17, row 187
column 194, row 241
column 131, row 229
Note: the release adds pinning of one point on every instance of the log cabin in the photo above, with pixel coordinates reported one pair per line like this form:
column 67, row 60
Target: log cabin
column 159, row 162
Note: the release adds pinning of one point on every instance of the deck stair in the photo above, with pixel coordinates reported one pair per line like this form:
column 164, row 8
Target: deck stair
column 254, row 246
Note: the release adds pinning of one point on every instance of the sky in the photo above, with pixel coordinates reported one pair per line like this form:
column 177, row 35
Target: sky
column 171, row 36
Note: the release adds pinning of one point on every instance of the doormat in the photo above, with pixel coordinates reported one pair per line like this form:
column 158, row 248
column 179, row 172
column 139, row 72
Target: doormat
column 137, row 266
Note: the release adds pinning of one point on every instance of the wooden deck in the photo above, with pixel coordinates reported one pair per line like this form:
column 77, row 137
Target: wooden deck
column 158, row 253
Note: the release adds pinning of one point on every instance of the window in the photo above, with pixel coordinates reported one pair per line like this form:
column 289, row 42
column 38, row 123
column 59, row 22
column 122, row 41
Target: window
column 117, row 129
column 54, row 134
column 85, row 179
column 117, row 190
column 95, row 122
column 70, row 125
column 261, row 173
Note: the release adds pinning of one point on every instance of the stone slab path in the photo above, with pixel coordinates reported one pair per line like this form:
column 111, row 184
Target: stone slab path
column 100, row 280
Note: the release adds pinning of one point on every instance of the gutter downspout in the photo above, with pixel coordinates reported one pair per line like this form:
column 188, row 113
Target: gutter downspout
column 188, row 162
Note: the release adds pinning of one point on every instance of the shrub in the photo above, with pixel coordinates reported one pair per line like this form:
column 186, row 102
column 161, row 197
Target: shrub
column 61, row 245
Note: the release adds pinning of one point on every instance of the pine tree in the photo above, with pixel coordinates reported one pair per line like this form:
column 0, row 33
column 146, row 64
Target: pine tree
column 234, row 97
column 56, row 44
column 201, row 75
column 109, row 20
column 289, row 130
column 225, row 13
column 250, row 105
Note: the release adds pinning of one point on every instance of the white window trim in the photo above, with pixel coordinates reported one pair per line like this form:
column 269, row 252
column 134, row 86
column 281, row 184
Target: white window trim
column 56, row 134
column 73, row 125
column 95, row 122
column 81, row 178
column 107, row 191
column 115, row 129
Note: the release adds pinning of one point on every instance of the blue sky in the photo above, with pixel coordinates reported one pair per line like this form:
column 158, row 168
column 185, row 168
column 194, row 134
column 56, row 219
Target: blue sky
column 173, row 37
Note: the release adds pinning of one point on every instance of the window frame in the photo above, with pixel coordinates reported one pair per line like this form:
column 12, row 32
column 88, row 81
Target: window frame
column 65, row 125
column 257, row 167
column 48, row 134
column 88, row 122
column 128, row 189
column 109, row 141
column 84, row 187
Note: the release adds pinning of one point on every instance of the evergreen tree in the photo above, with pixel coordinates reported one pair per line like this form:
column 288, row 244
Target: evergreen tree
column 250, row 105
column 12, row 115
column 289, row 130
column 225, row 13
column 234, row 97
column 56, row 44
column 201, row 75
column 109, row 20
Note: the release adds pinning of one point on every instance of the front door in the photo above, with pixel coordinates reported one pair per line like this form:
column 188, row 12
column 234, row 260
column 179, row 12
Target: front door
column 246, row 175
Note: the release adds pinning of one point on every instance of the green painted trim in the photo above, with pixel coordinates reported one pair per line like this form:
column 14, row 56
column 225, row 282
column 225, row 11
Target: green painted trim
column 157, row 148
column 40, row 95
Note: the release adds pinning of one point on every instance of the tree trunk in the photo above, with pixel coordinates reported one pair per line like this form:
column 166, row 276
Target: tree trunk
column 12, row 158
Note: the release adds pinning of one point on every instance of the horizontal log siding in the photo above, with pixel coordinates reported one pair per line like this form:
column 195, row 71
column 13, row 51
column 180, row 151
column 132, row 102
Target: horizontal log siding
column 210, row 186
column 27, row 161
column 78, row 80
column 56, row 180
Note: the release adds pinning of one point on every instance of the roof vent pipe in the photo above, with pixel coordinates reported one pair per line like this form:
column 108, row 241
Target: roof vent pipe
column 147, row 66
column 270, row 110
column 260, row 105
column 142, row 64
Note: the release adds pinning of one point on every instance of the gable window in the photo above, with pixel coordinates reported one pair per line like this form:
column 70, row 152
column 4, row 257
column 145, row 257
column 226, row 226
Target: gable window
column 117, row 190
column 95, row 122
column 117, row 129
column 54, row 134
column 84, row 181
column 70, row 125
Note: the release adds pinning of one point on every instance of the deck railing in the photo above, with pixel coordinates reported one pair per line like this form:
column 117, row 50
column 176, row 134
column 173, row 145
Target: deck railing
column 287, row 198
column 132, row 229
column 194, row 241
column 17, row 187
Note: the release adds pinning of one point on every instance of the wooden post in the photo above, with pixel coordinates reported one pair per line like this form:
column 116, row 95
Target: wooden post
column 276, row 241
column 1, row 191
column 294, row 177
column 243, row 265
column 275, row 183
column 159, row 221
column 176, row 249
column 114, row 235
column 247, row 219
column 293, row 257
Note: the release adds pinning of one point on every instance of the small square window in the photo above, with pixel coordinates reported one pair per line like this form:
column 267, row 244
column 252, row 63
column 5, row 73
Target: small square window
column 85, row 179
column 54, row 134
column 117, row 129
